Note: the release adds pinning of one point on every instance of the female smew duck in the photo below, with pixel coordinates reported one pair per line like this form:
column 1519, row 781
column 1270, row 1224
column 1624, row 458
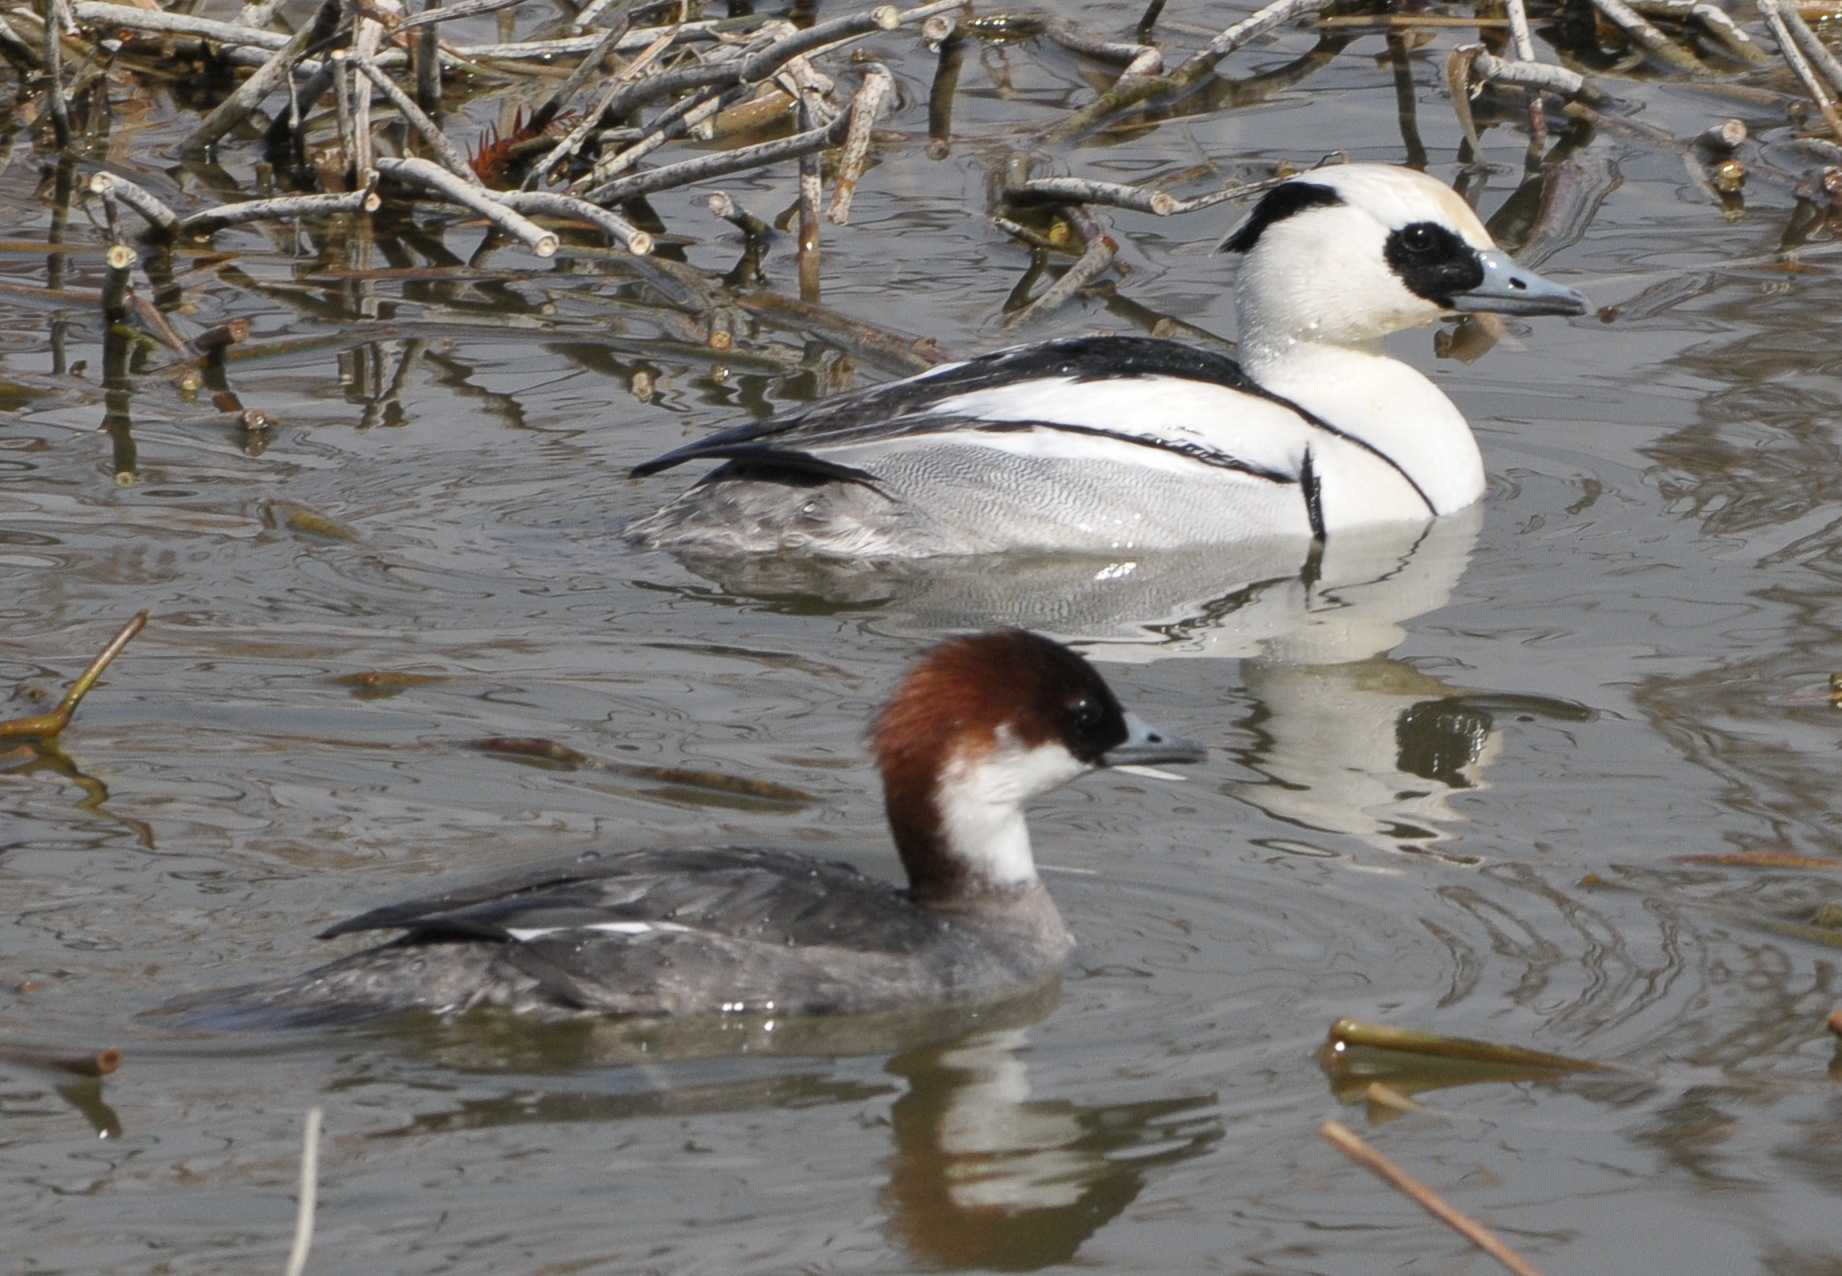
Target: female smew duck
column 978, row 727
column 1105, row 444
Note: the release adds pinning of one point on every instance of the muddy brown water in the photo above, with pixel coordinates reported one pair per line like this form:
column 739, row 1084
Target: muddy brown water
column 1452, row 780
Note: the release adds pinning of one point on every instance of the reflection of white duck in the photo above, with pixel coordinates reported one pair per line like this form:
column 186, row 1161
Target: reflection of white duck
column 1104, row 444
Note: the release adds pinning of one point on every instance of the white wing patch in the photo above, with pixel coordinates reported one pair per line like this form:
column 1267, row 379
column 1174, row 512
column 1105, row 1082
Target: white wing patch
column 526, row 934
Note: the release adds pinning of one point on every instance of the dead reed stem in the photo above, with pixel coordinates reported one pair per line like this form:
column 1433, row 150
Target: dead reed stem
column 1348, row 1142
column 310, row 1187
column 46, row 725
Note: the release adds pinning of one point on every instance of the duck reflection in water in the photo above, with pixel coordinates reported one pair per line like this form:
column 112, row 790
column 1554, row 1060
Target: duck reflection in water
column 1346, row 740
column 983, row 1175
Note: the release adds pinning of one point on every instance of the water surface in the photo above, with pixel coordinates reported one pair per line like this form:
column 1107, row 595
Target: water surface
column 1452, row 786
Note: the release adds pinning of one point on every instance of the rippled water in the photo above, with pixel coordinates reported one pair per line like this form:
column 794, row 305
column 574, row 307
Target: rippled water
column 1453, row 781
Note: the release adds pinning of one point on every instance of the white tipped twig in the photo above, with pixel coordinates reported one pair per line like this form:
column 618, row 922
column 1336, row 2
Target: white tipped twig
column 557, row 204
column 1359, row 1150
column 1544, row 76
column 1721, row 139
column 1089, row 266
column 433, row 177
column 141, row 200
column 211, row 220
column 743, row 220
column 878, row 85
column 1079, row 190
column 444, row 151
column 310, row 1188
column 759, row 66
column 1776, row 19
column 118, row 262
column 236, row 108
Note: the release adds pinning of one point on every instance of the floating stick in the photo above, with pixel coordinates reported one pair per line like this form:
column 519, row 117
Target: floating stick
column 44, row 726
column 1348, row 1142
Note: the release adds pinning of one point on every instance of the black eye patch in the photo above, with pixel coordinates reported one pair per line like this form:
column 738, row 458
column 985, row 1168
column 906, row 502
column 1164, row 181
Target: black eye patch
column 1433, row 262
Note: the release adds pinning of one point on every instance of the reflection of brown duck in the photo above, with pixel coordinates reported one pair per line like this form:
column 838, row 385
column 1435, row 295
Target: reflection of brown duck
column 982, row 1175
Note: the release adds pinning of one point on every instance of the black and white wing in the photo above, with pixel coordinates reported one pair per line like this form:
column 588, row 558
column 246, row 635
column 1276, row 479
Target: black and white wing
column 1157, row 395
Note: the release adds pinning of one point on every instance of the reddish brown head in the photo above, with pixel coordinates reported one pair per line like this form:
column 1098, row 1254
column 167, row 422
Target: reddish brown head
column 979, row 726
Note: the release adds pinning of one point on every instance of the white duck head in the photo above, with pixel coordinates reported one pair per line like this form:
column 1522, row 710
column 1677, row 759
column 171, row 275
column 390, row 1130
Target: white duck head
column 1344, row 256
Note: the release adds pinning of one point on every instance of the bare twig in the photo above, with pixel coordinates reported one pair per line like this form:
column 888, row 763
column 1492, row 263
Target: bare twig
column 444, row 151
column 1142, row 60
column 810, row 180
column 1525, row 52
column 470, row 195
column 592, row 117
column 807, row 142
column 878, row 86
column 211, row 220
column 46, row 725
column 940, row 94
column 743, row 220
column 1644, row 34
column 141, row 200
column 1130, row 92
column 557, row 204
column 100, row 1063
column 1089, row 266
column 1538, row 75
column 118, row 261
column 1348, row 1142
column 1788, row 46
column 1079, row 190
column 1813, row 48
column 234, row 109
column 54, row 75
column 1713, row 19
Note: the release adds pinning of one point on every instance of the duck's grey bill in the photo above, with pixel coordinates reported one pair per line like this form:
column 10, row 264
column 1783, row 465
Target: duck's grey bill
column 1146, row 745
column 1509, row 289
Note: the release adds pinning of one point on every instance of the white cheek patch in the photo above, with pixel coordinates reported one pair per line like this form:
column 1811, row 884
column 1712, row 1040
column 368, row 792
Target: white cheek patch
column 981, row 799
column 525, row 934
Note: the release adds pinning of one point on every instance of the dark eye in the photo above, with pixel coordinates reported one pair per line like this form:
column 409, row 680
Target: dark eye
column 1086, row 716
column 1419, row 239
